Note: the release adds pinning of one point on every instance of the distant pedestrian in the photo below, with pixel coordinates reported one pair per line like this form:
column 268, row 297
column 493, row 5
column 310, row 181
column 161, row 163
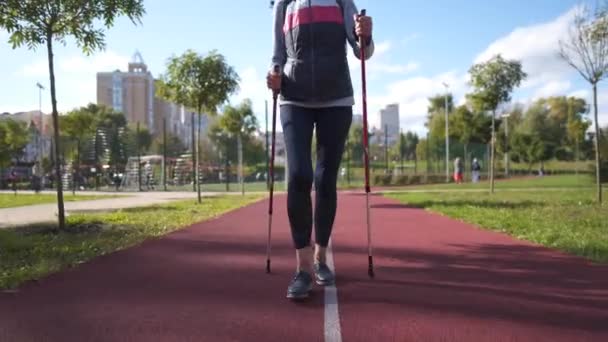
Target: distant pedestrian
column 458, row 170
column 476, row 169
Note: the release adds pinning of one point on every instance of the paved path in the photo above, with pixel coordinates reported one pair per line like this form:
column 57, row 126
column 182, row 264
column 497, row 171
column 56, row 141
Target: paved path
column 436, row 280
column 42, row 213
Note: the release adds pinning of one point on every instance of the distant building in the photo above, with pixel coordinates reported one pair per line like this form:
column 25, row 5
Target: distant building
column 389, row 121
column 39, row 126
column 357, row 119
column 133, row 93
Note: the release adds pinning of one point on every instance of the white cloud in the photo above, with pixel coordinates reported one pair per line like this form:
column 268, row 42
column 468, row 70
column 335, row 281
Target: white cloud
column 412, row 96
column 582, row 93
column 537, row 47
column 379, row 64
column 77, row 64
column 253, row 87
column 553, row 88
column 75, row 76
column 410, row 38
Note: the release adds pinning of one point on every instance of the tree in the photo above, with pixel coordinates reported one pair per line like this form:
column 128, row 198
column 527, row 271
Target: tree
column 175, row 146
column 78, row 125
column 200, row 84
column 585, row 49
column 464, row 127
column 114, row 127
column 16, row 138
column 355, row 143
column 493, row 82
column 528, row 148
column 239, row 122
column 41, row 22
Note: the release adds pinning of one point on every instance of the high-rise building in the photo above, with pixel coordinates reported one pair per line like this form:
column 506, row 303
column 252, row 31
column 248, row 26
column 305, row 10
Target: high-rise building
column 389, row 121
column 131, row 92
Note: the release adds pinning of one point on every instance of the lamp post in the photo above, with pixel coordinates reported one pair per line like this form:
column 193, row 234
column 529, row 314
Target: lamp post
column 447, row 136
column 507, row 147
column 40, row 89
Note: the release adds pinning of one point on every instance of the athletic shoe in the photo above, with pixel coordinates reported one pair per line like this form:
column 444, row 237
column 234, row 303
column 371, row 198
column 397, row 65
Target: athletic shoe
column 323, row 274
column 300, row 286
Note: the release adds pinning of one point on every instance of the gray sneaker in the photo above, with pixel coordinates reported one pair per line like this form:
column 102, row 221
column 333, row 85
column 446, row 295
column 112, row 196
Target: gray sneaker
column 300, row 286
column 323, row 275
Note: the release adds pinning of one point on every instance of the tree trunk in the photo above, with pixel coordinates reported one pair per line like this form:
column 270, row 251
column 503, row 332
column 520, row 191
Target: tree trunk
column 165, row 154
column 60, row 206
column 75, row 173
column 240, row 157
column 198, row 158
column 467, row 162
column 597, row 146
column 193, row 152
column 492, row 148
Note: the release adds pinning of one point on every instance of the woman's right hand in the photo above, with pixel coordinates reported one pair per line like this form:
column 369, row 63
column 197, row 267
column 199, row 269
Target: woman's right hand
column 273, row 81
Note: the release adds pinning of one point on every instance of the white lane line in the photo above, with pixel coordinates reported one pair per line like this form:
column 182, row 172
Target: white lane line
column 332, row 314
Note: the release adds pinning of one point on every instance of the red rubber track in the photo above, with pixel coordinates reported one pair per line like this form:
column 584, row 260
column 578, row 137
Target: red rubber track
column 204, row 283
column 442, row 280
column 436, row 280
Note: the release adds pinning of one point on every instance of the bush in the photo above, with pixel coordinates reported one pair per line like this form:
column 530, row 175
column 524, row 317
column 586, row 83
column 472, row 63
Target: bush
column 382, row 180
column 603, row 171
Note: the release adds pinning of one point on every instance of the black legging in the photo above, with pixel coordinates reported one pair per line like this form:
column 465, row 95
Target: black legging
column 332, row 126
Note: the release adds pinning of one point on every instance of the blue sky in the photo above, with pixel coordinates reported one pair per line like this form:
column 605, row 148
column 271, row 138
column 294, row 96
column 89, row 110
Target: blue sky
column 420, row 44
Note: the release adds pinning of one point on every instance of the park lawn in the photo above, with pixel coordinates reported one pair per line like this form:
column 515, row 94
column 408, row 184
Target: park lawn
column 30, row 253
column 569, row 221
column 9, row 200
column 582, row 181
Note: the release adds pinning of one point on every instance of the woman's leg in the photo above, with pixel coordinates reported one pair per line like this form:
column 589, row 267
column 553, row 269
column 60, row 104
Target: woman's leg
column 333, row 125
column 298, row 124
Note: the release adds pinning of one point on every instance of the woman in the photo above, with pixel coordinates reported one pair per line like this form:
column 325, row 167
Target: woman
column 310, row 39
column 458, row 170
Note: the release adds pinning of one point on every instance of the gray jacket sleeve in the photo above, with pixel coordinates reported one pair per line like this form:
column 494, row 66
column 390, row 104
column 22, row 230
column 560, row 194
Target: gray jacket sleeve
column 279, row 52
column 350, row 10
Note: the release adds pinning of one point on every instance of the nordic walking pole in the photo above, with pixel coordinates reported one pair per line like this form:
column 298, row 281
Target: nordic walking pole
column 370, row 269
column 271, row 171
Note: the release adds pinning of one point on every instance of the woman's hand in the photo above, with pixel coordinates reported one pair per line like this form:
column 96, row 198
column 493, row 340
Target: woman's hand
column 273, row 81
column 363, row 26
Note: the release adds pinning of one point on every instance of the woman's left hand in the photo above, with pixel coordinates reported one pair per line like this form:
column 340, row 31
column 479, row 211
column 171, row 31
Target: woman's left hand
column 363, row 26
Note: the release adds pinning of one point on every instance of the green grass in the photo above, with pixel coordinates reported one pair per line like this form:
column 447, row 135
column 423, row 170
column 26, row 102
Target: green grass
column 556, row 182
column 34, row 252
column 570, row 221
column 9, row 200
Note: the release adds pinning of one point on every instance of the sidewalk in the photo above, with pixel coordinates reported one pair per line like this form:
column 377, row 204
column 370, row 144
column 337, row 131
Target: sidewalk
column 41, row 213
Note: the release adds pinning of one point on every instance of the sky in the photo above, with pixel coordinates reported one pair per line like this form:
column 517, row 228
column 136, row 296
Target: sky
column 419, row 45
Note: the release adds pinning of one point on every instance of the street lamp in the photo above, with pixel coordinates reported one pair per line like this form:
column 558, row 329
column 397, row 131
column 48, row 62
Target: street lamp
column 506, row 117
column 447, row 136
column 40, row 89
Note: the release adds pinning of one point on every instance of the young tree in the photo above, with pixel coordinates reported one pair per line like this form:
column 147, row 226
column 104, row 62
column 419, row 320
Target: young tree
column 16, row 138
column 78, row 125
column 586, row 50
column 493, row 82
column 42, row 22
column 200, row 83
column 239, row 122
column 114, row 126
column 464, row 127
